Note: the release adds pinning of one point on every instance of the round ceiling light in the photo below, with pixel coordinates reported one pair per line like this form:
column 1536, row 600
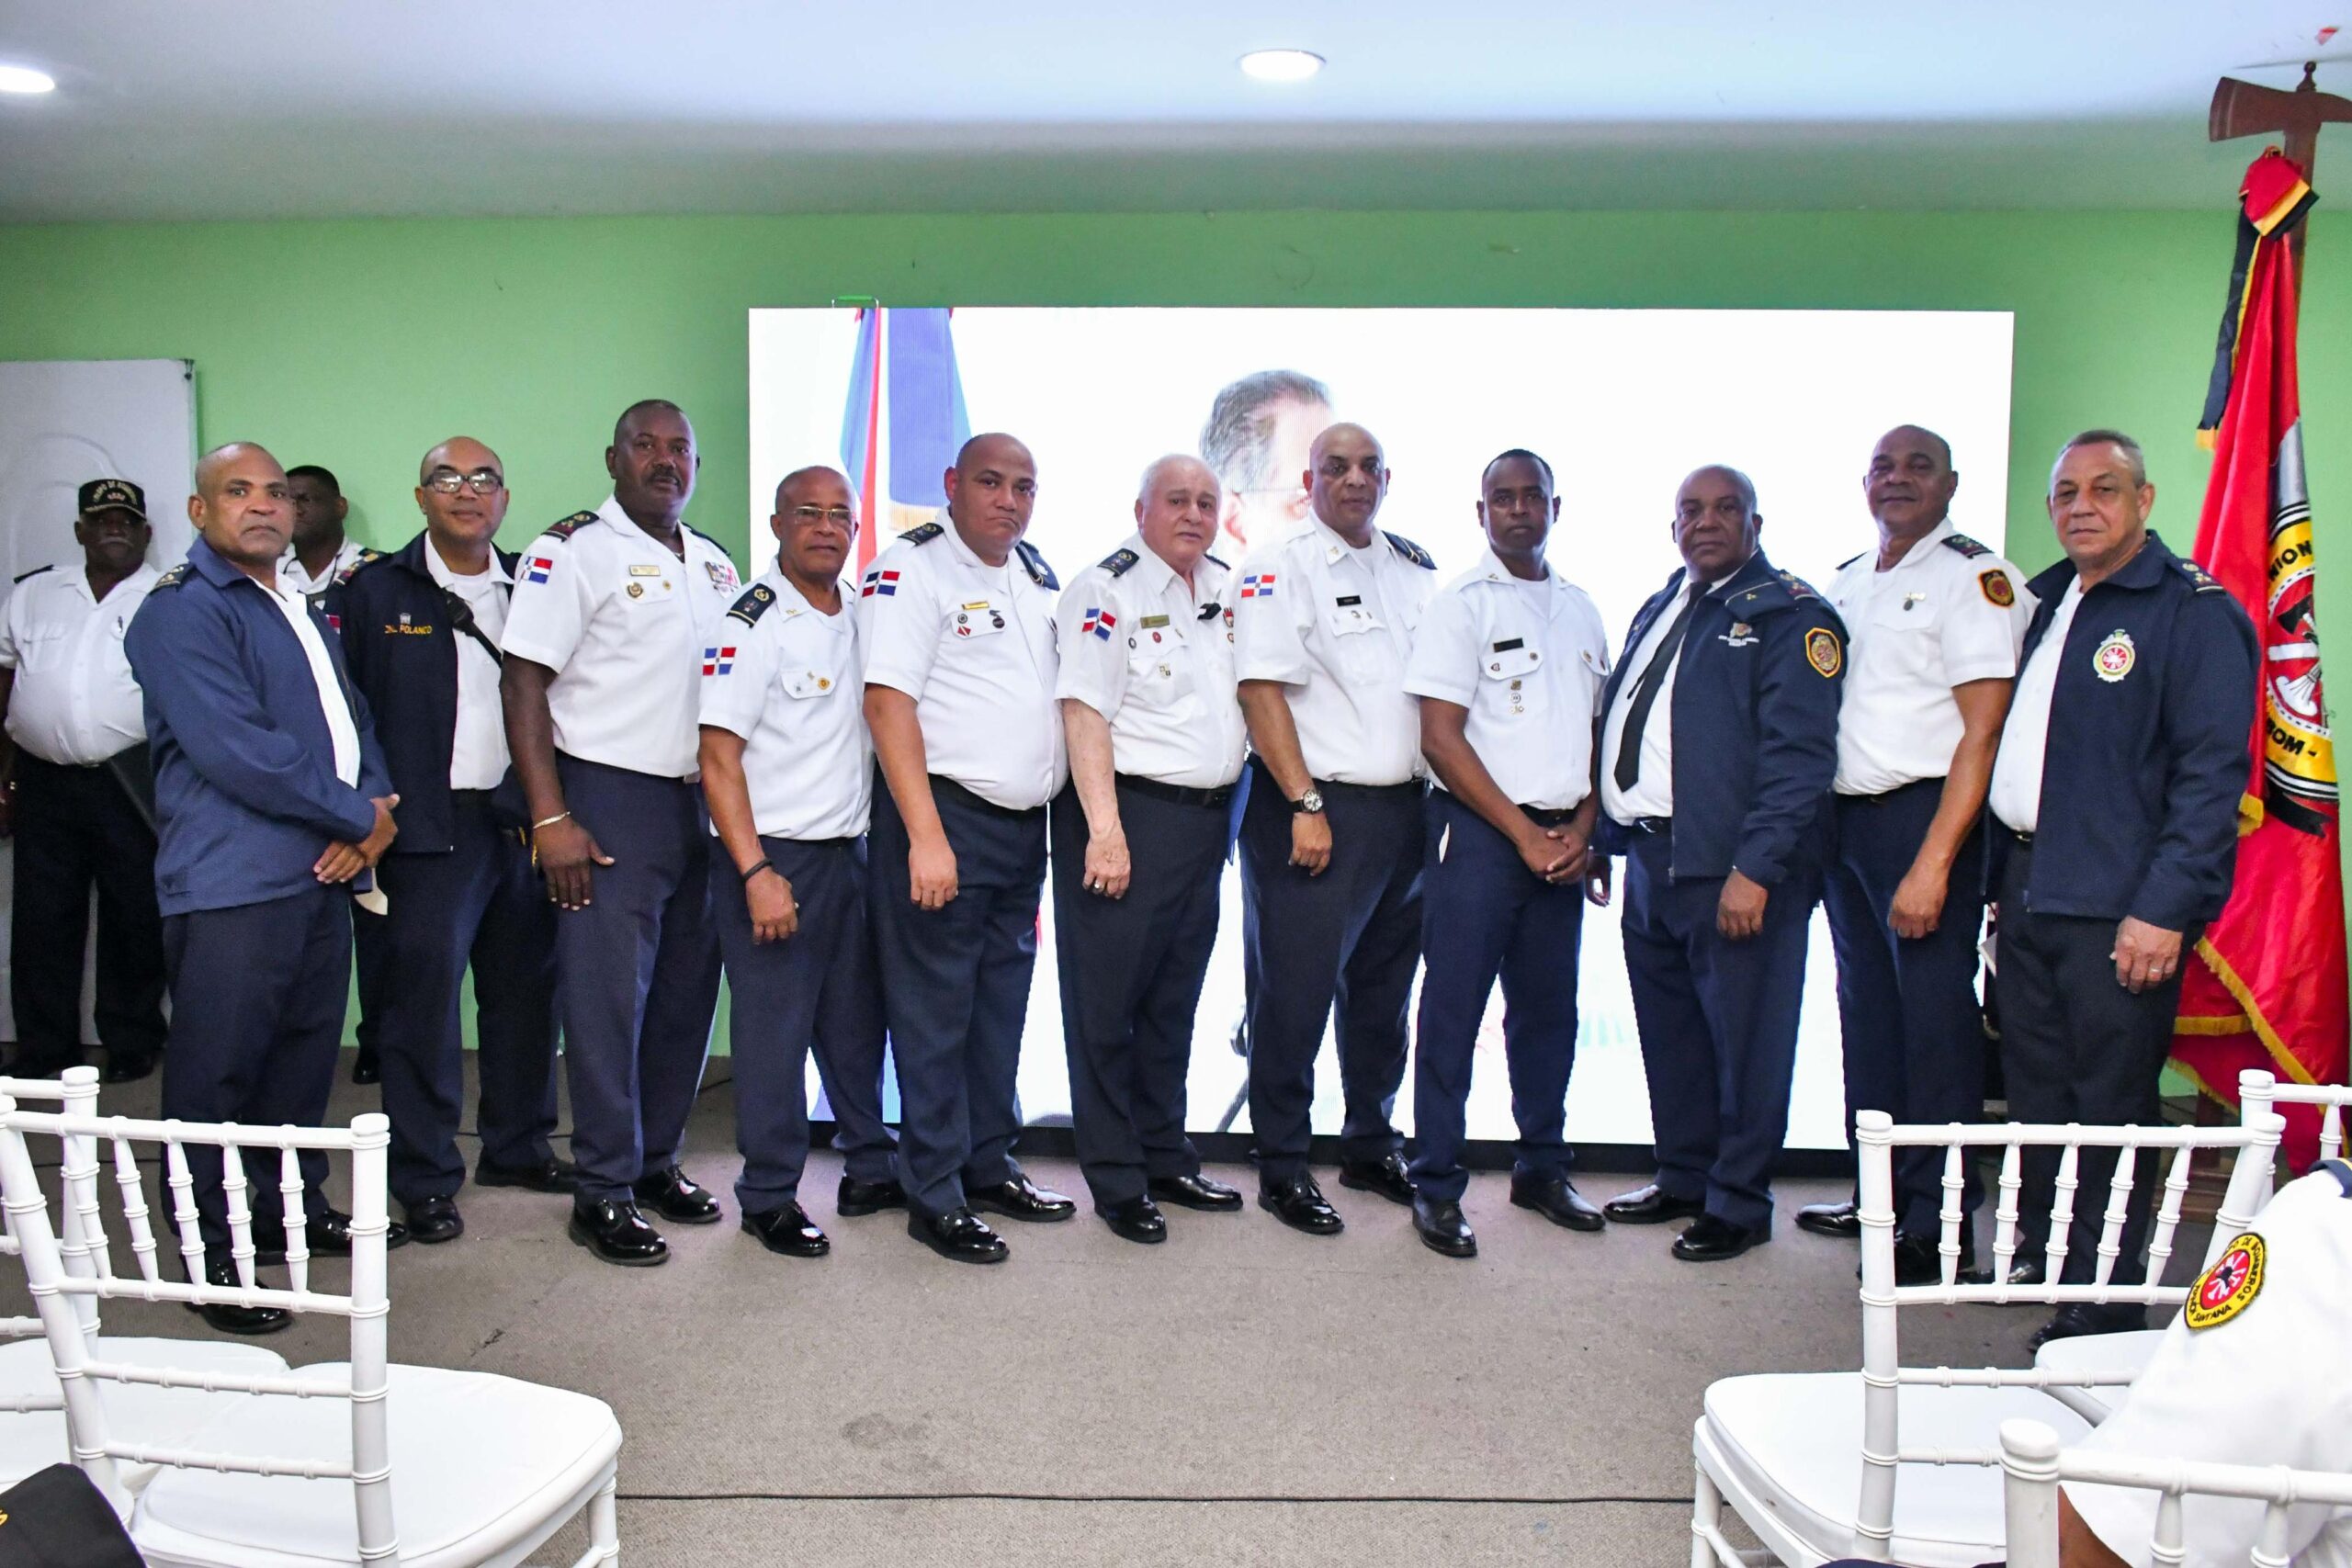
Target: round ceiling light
column 1281, row 64
column 25, row 79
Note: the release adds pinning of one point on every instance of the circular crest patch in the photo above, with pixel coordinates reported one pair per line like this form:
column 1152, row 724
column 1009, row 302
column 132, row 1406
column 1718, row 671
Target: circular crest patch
column 2230, row 1285
column 1996, row 584
column 1823, row 652
column 2114, row 657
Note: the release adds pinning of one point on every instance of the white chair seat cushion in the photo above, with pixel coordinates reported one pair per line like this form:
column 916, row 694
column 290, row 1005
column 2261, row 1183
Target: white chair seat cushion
column 1792, row 1441
column 136, row 1413
column 478, row 1462
column 2127, row 1352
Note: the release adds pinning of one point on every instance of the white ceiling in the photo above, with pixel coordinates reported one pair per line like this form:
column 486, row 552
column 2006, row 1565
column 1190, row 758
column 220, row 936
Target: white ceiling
column 287, row 108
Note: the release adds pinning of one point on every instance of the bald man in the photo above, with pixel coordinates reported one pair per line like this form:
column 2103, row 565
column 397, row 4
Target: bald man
column 1718, row 741
column 420, row 629
column 956, row 623
column 1156, row 742
column 271, row 802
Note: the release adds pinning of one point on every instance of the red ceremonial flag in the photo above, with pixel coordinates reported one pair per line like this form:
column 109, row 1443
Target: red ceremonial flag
column 2268, row 990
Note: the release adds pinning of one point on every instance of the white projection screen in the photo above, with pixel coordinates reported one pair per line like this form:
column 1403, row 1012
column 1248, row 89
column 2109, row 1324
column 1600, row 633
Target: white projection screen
column 1622, row 403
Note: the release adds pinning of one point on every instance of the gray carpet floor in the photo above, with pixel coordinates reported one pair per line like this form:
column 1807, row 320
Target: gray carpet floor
column 1241, row 1395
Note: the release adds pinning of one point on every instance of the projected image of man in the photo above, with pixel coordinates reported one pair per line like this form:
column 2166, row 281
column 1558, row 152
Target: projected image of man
column 1256, row 442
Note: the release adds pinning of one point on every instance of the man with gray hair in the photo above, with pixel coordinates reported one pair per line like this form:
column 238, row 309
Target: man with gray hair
column 1156, row 738
column 1256, row 442
column 2115, row 799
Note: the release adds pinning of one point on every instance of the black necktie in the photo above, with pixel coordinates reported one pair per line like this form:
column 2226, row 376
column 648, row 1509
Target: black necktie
column 1637, row 712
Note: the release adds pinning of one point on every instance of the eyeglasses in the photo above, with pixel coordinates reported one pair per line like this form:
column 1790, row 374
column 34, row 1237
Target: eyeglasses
column 838, row 516
column 448, row 482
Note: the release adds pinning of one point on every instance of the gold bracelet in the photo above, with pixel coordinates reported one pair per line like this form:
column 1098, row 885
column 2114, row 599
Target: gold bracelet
column 550, row 821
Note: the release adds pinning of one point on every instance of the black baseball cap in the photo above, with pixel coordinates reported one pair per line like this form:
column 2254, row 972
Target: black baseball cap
column 103, row 495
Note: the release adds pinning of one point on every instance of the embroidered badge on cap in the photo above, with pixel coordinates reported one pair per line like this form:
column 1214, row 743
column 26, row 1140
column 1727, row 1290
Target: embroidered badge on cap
column 718, row 660
column 1996, row 584
column 2114, row 657
column 1821, row 652
column 2229, row 1287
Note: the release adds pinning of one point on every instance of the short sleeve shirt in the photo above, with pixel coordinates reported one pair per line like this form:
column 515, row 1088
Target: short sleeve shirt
column 1527, row 661
column 1949, row 612
column 625, row 624
column 294, row 580
column 783, row 676
column 75, row 702
column 1335, row 624
column 973, row 645
column 1154, row 656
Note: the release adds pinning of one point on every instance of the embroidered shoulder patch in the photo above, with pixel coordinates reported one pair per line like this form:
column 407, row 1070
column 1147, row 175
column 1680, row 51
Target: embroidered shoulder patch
column 1033, row 561
column 1966, row 545
column 1824, row 651
column 571, row 526
column 753, row 604
column 2229, row 1287
column 1996, row 584
column 1119, row 562
column 1411, row 551
column 924, row 534
column 36, row 571
column 173, row 578
column 1797, row 586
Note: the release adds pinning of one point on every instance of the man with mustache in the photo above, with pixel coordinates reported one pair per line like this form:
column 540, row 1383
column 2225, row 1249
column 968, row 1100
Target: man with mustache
column 80, row 797
column 420, row 634
column 1156, row 742
column 612, row 617
column 1718, row 742
column 956, row 623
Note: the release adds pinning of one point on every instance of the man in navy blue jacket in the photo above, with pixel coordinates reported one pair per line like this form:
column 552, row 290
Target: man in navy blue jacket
column 271, row 802
column 2115, row 796
column 1717, row 802
column 420, row 633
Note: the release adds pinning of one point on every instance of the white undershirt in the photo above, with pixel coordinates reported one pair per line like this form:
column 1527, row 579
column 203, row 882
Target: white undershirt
column 2015, row 794
column 478, row 746
column 296, row 608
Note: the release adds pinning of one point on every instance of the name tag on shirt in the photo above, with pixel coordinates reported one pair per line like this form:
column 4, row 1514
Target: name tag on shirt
column 645, row 571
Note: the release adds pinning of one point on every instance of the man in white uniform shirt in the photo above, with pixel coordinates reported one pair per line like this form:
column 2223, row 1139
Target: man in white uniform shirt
column 956, row 623
column 1935, row 619
column 1156, row 742
column 614, row 614
column 1508, row 665
column 420, row 632
column 788, row 770
column 320, row 552
column 1331, row 837
column 81, row 796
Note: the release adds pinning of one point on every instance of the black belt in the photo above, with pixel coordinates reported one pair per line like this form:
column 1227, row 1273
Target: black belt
column 1660, row 826
column 1416, row 787
column 2023, row 840
column 1550, row 816
column 1884, row 796
column 1180, row 795
column 940, row 784
column 820, row 843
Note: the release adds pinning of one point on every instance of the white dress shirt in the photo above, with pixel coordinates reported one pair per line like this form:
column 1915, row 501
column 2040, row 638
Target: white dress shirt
column 785, row 677
column 294, row 580
column 1943, row 615
column 1154, row 657
column 1527, row 661
column 341, row 727
column 973, row 643
column 2016, row 795
column 626, row 627
column 1653, row 791
column 1334, row 625
column 74, row 702
column 478, row 748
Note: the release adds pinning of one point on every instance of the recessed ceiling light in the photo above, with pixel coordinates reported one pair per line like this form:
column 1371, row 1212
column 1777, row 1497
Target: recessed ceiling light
column 1281, row 64
column 25, row 79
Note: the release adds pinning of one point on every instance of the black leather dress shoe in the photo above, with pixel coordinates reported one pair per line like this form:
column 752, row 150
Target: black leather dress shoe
column 1442, row 1228
column 678, row 1198
column 326, row 1235
column 616, row 1232
column 1831, row 1219
column 237, row 1319
column 1711, row 1240
column 856, row 1198
column 1385, row 1176
column 1300, row 1204
column 1651, row 1206
column 788, row 1229
column 1021, row 1199
column 2076, row 1319
column 366, row 1068
column 959, row 1236
column 2023, row 1270
column 126, row 1066
column 1137, row 1219
column 1556, row 1198
column 1196, row 1192
column 1919, row 1259
column 551, row 1175
column 433, row 1219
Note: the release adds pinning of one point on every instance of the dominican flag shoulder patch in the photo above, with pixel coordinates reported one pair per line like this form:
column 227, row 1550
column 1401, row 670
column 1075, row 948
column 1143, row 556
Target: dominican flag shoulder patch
column 1258, row 585
column 885, row 583
column 1097, row 623
column 718, row 660
column 537, row 568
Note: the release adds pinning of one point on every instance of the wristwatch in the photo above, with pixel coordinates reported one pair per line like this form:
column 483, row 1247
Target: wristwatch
column 1310, row 804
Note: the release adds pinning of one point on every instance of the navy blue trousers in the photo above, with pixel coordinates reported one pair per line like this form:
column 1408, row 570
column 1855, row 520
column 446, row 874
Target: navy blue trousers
column 817, row 989
column 1718, row 1021
column 1349, row 939
column 1913, row 1032
column 955, row 990
column 637, row 974
column 480, row 905
column 76, row 827
column 257, row 1000
column 1483, row 916
column 1131, row 973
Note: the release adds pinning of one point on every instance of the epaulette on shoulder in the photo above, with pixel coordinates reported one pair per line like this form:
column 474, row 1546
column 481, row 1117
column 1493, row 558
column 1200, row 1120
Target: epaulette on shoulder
column 753, row 604
column 173, row 578
column 1797, row 586
column 1411, row 551
column 2201, row 580
column 1966, row 545
column 1851, row 560
column 1214, row 562
column 367, row 557
column 1118, row 562
column 924, row 534
column 1032, row 562
column 34, row 572
column 571, row 525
